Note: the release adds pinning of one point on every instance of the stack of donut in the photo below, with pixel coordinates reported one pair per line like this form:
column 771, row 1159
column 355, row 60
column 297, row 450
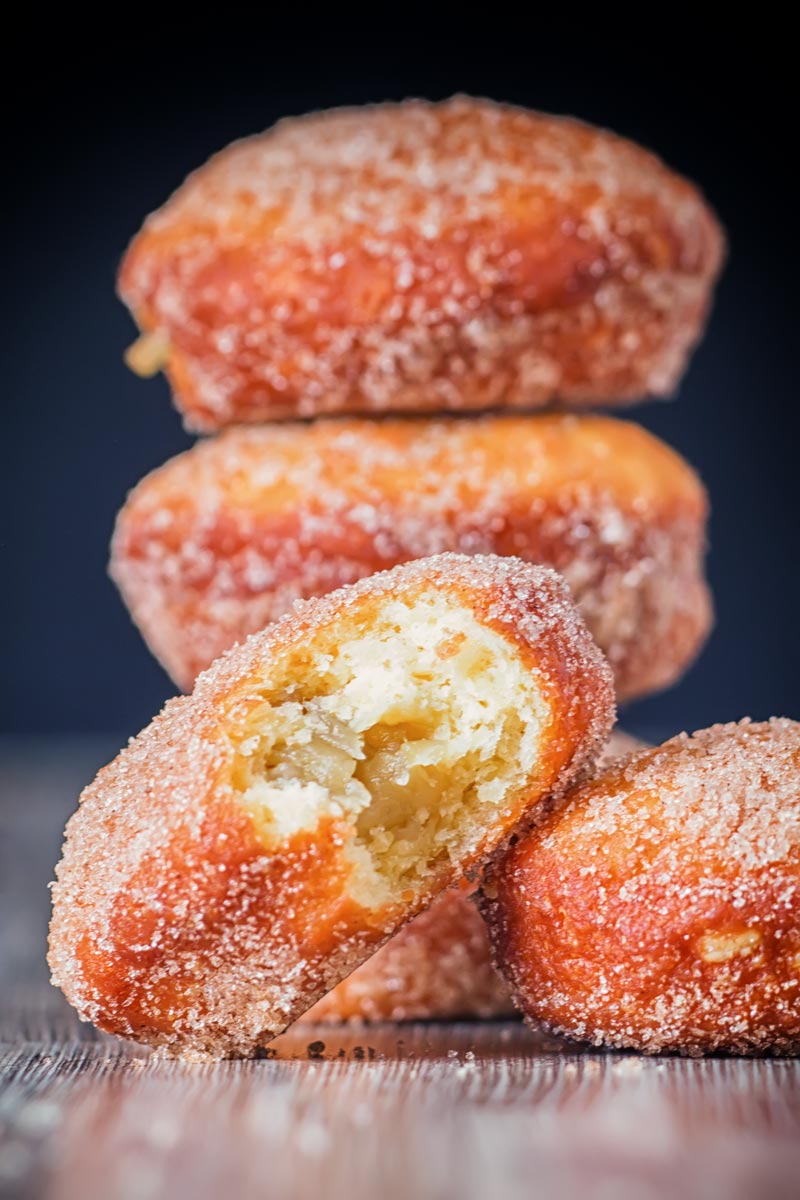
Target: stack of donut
column 371, row 311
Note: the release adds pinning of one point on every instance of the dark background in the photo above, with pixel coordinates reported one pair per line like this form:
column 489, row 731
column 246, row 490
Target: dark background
column 95, row 139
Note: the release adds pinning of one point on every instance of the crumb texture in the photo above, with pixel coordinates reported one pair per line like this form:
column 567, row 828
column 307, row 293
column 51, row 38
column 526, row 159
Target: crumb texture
column 413, row 732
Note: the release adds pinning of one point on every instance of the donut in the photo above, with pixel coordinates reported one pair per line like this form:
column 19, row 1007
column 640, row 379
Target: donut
column 660, row 910
column 222, row 540
column 421, row 257
column 323, row 781
column 437, row 967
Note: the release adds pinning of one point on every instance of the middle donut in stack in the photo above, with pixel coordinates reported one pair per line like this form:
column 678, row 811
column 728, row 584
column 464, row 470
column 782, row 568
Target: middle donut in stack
column 224, row 538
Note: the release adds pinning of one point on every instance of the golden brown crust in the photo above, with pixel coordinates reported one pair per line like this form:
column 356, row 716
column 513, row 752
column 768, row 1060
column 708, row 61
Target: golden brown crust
column 174, row 925
column 660, row 910
column 439, row 966
column 221, row 540
column 420, row 257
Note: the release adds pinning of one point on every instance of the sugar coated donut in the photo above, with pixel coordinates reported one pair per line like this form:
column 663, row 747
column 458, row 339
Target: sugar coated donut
column 322, row 783
column 416, row 257
column 438, row 966
column 221, row 541
column 660, row 910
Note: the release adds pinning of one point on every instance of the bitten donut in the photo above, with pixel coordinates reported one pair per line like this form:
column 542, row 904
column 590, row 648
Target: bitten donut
column 661, row 909
column 321, row 784
column 222, row 540
column 439, row 966
column 421, row 257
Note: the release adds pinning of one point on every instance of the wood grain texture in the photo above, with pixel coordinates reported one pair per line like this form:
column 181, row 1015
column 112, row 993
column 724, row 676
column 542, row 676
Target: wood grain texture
column 428, row 1111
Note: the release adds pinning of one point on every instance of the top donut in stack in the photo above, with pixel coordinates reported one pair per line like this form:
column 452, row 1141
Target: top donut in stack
column 421, row 257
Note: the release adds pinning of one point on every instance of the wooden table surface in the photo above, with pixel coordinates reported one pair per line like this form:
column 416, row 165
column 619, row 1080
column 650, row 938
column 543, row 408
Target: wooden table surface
column 485, row 1110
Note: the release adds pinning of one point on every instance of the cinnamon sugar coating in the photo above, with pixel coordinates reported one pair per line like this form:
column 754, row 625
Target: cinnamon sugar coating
column 221, row 540
column 325, row 779
column 660, row 909
column 439, row 966
column 421, row 257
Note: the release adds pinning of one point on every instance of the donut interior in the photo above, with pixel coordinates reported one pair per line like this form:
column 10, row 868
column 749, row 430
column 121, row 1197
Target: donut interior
column 414, row 734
